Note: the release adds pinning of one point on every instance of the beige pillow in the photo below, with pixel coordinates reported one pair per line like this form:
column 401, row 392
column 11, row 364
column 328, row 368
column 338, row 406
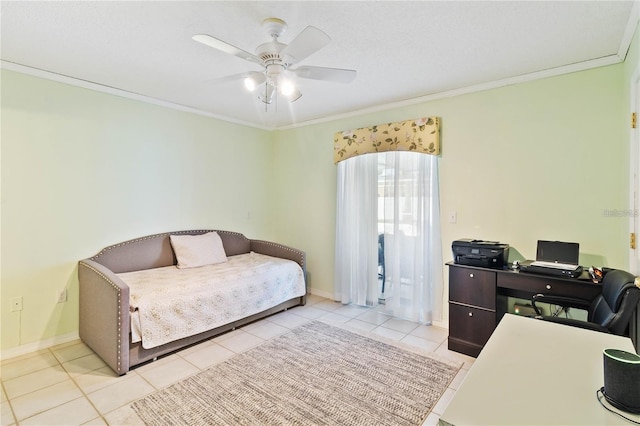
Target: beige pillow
column 198, row 250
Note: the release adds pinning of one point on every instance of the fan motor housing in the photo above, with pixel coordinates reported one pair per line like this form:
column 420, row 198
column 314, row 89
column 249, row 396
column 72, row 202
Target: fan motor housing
column 270, row 52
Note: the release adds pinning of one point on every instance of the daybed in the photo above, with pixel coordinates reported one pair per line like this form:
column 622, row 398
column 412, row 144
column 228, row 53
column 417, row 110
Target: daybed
column 128, row 285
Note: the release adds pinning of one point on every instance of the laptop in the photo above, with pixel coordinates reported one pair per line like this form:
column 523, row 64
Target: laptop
column 555, row 258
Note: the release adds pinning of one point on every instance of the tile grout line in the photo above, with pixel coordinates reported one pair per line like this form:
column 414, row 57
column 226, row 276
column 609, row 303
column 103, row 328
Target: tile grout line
column 328, row 309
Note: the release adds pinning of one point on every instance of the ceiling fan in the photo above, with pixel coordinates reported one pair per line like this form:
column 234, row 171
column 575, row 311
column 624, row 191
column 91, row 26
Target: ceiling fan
column 277, row 60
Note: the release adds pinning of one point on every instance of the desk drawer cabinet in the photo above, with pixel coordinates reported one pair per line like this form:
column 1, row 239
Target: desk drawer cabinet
column 469, row 328
column 475, row 308
column 472, row 308
column 472, row 287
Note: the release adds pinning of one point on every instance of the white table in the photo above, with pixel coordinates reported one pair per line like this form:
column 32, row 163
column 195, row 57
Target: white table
column 533, row 372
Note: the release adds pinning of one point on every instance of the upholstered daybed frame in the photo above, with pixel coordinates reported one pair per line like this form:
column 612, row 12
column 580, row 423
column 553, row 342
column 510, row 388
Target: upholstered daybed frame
column 104, row 297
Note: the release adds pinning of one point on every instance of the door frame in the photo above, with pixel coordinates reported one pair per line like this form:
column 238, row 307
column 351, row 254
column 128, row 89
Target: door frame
column 634, row 174
column 634, row 196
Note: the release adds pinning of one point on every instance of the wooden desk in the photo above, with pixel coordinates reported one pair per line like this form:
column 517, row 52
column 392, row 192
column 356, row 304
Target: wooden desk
column 536, row 373
column 478, row 300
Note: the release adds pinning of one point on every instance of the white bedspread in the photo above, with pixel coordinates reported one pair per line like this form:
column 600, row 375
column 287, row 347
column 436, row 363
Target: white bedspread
column 174, row 303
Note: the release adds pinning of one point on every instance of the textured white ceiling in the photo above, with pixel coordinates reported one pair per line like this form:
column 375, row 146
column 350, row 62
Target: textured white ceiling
column 401, row 50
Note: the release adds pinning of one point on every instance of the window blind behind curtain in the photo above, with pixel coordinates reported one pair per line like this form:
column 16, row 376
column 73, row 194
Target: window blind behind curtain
column 390, row 197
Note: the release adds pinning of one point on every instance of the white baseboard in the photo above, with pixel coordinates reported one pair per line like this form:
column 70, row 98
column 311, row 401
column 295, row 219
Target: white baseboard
column 443, row 324
column 321, row 293
column 39, row 345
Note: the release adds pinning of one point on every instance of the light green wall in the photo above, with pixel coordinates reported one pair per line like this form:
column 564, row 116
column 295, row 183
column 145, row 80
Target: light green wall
column 82, row 170
column 538, row 160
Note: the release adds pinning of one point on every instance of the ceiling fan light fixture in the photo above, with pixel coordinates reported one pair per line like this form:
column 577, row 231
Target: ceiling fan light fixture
column 253, row 80
column 276, row 59
column 266, row 96
column 264, row 99
column 294, row 95
column 287, row 88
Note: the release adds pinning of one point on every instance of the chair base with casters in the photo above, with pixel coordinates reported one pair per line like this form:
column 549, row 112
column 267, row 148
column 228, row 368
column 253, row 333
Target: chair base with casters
column 609, row 312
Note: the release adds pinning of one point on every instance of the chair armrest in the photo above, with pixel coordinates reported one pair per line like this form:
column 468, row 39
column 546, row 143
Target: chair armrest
column 104, row 314
column 558, row 300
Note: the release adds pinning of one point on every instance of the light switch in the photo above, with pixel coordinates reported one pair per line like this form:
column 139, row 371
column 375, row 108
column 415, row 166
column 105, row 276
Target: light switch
column 453, row 217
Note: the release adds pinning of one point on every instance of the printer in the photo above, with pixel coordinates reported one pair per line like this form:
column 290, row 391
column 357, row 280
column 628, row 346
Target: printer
column 488, row 254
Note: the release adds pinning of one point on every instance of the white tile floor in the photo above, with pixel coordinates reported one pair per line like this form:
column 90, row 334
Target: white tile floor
column 70, row 385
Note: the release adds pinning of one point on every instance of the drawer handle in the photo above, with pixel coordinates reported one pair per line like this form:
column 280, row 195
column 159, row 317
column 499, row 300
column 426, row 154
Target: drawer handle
column 548, row 286
column 470, row 275
column 470, row 314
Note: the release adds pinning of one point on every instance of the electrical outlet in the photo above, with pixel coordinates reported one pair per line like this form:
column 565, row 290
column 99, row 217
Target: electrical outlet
column 62, row 295
column 16, row 304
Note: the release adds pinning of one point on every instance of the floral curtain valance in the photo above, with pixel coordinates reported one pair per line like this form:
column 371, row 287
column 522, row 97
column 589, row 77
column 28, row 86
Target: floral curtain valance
column 420, row 135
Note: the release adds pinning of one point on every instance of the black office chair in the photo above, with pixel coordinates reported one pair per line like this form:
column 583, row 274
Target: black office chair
column 609, row 312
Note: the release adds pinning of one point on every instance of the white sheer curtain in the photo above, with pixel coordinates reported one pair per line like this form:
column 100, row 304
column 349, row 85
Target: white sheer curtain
column 356, row 274
column 409, row 218
column 394, row 194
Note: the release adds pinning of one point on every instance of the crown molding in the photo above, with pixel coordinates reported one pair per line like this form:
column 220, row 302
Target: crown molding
column 552, row 72
column 60, row 78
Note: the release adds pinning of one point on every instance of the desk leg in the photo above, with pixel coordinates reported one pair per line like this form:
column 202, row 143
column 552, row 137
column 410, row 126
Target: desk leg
column 502, row 306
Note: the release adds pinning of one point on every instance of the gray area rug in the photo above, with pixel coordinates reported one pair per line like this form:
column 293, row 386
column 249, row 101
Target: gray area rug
column 316, row 374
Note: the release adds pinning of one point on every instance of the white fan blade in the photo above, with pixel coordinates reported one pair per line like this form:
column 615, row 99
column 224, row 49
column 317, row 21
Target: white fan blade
column 226, row 48
column 336, row 75
column 309, row 41
column 227, row 78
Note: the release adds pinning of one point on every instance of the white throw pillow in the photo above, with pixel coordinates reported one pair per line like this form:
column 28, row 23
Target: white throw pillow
column 198, row 250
